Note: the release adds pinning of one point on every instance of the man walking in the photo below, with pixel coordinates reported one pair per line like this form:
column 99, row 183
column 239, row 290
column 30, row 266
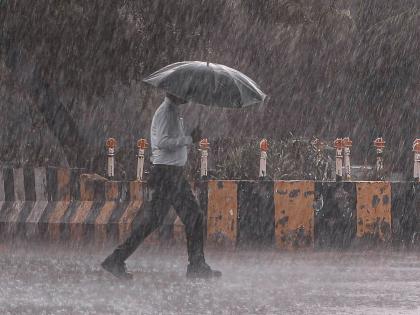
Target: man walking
column 167, row 186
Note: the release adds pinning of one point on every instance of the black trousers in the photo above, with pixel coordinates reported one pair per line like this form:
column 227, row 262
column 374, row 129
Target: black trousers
column 167, row 186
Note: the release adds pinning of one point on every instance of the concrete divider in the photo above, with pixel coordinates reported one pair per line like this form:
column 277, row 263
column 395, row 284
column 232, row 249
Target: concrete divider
column 294, row 214
column 335, row 214
column 405, row 213
column 33, row 198
column 374, row 210
column 64, row 205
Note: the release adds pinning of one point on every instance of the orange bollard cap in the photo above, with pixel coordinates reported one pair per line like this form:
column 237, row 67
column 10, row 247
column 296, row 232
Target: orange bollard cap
column 347, row 143
column 338, row 143
column 379, row 143
column 264, row 145
column 204, row 144
column 111, row 143
column 142, row 144
column 416, row 146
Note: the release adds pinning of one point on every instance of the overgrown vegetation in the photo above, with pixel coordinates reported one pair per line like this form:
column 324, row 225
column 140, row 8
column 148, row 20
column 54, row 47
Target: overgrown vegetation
column 287, row 159
column 70, row 75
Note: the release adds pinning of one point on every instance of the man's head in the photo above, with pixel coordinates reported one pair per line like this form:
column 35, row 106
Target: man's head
column 175, row 99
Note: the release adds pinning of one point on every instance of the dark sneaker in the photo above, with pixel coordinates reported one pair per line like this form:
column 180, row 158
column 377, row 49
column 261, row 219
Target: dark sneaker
column 118, row 269
column 202, row 270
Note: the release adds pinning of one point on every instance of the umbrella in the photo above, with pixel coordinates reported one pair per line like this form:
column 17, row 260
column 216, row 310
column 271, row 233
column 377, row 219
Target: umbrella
column 208, row 84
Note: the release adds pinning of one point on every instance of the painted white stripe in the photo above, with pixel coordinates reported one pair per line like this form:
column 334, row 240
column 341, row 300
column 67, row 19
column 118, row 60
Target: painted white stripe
column 40, row 183
column 37, row 211
column 19, row 184
column 13, row 215
column 1, row 185
column 16, row 209
column 31, row 224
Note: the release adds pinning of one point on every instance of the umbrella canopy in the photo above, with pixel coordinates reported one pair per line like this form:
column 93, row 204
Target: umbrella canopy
column 208, row 84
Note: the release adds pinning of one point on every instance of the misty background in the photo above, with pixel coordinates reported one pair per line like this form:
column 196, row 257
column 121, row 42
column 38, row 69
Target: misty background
column 70, row 75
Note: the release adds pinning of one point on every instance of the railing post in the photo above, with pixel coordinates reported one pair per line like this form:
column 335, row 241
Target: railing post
column 338, row 145
column 416, row 150
column 263, row 158
column 204, row 149
column 111, row 144
column 142, row 145
column 347, row 143
column 379, row 144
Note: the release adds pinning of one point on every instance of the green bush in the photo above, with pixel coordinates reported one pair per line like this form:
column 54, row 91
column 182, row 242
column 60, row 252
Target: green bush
column 292, row 158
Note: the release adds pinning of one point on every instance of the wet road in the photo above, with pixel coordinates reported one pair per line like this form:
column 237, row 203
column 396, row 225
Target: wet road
column 40, row 281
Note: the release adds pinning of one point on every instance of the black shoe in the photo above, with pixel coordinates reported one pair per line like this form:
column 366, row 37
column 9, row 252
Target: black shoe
column 118, row 269
column 202, row 270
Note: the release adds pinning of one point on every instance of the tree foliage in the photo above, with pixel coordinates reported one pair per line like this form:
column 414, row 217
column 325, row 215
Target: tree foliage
column 71, row 72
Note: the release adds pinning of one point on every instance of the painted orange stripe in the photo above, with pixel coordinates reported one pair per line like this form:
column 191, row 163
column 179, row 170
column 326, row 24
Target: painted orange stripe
column 102, row 220
column 111, row 190
column 78, row 221
column 222, row 212
column 55, row 218
column 125, row 225
column 86, row 187
column 136, row 190
column 374, row 210
column 63, row 183
column 126, row 222
column 105, row 213
column 294, row 214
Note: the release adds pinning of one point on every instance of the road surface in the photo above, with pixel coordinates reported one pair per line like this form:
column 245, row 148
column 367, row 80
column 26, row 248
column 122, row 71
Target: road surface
column 36, row 280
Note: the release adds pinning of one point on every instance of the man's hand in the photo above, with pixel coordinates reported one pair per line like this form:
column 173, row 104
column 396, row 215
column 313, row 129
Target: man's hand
column 196, row 134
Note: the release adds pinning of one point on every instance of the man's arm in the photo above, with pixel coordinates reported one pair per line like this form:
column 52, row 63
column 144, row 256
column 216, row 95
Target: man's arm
column 167, row 141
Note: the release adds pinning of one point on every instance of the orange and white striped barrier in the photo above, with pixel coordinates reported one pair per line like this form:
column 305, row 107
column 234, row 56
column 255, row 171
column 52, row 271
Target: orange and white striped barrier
column 58, row 204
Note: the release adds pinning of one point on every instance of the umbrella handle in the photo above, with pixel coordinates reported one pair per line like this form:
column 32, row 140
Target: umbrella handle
column 199, row 118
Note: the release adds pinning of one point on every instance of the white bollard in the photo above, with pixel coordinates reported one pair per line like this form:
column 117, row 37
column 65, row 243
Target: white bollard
column 204, row 148
column 379, row 144
column 111, row 143
column 142, row 145
column 338, row 145
column 263, row 158
column 347, row 143
column 416, row 150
